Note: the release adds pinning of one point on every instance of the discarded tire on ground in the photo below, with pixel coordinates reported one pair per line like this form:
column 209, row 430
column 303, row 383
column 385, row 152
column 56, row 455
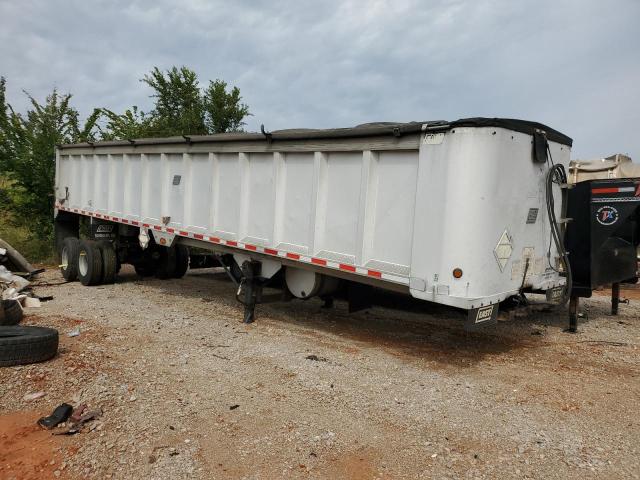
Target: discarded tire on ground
column 11, row 312
column 89, row 263
column 15, row 261
column 69, row 259
column 109, row 262
column 22, row 345
column 182, row 261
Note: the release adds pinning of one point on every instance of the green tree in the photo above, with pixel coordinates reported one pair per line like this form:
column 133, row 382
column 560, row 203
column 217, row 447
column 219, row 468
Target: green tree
column 181, row 107
column 129, row 125
column 224, row 112
column 27, row 157
column 178, row 102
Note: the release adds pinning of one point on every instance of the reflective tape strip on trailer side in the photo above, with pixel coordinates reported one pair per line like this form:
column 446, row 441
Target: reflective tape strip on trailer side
column 354, row 269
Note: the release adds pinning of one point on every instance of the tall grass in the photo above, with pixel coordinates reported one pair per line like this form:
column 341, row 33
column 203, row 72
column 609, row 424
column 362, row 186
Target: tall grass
column 32, row 247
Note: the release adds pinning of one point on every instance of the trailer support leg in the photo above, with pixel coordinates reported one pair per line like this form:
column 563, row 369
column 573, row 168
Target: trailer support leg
column 328, row 302
column 252, row 289
column 573, row 314
column 615, row 298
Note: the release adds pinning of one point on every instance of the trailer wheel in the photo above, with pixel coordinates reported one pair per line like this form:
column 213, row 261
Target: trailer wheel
column 21, row 345
column 182, row 261
column 65, row 225
column 69, row 259
column 10, row 312
column 109, row 262
column 89, row 263
column 166, row 263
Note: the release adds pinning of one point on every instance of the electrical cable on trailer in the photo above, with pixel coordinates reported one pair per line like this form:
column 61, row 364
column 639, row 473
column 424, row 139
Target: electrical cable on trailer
column 558, row 175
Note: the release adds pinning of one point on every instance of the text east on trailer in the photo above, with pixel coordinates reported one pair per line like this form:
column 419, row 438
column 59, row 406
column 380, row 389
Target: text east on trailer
column 456, row 213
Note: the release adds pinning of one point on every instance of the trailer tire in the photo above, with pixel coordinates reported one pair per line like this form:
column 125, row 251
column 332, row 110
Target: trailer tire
column 145, row 269
column 65, row 225
column 10, row 312
column 89, row 263
column 109, row 262
column 69, row 259
column 166, row 263
column 182, row 261
column 22, row 345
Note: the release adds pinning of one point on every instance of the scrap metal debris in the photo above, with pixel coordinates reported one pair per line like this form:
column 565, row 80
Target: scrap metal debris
column 76, row 423
column 74, row 333
column 33, row 396
column 11, row 284
column 15, row 276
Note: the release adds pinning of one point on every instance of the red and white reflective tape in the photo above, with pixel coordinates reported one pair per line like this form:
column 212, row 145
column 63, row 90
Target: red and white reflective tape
column 603, row 190
column 358, row 270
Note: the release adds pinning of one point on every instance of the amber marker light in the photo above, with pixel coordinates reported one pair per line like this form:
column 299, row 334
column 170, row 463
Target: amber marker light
column 457, row 273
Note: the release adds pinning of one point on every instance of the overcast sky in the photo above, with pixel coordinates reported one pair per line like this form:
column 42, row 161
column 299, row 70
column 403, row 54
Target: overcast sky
column 573, row 65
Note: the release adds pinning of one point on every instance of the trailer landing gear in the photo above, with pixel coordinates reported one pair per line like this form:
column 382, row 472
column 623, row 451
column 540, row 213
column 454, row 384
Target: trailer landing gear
column 251, row 287
column 615, row 298
column 573, row 314
column 327, row 301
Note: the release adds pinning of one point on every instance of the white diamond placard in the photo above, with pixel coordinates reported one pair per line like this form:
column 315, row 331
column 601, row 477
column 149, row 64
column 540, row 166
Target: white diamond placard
column 503, row 250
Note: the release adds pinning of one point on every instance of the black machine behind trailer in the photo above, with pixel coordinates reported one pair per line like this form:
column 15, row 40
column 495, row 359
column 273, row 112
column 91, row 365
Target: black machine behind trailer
column 602, row 238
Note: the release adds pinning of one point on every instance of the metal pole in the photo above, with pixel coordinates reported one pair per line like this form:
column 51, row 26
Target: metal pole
column 615, row 298
column 573, row 314
column 252, row 289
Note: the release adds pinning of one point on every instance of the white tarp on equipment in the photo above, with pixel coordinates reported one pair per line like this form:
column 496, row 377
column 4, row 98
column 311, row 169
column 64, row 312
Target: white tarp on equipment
column 615, row 166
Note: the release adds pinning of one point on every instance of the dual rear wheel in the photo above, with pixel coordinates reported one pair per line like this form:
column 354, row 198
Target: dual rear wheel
column 91, row 262
column 96, row 262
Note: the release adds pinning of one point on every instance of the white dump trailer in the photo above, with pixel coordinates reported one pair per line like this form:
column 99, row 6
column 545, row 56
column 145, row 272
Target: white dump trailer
column 448, row 212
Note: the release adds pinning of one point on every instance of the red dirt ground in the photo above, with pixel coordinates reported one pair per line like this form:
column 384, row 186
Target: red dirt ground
column 26, row 450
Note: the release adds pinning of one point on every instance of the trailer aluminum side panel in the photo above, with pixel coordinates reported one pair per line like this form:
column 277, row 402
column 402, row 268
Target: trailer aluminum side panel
column 405, row 208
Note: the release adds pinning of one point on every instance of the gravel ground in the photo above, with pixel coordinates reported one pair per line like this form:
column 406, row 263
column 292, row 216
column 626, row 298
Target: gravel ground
column 188, row 391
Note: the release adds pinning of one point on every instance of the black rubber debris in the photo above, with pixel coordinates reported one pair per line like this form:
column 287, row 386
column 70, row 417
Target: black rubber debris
column 59, row 415
column 316, row 358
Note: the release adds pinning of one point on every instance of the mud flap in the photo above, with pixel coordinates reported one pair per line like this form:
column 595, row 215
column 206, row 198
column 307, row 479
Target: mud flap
column 481, row 317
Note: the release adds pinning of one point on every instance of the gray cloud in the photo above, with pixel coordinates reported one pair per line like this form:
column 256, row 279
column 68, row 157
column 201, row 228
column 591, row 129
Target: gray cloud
column 573, row 65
